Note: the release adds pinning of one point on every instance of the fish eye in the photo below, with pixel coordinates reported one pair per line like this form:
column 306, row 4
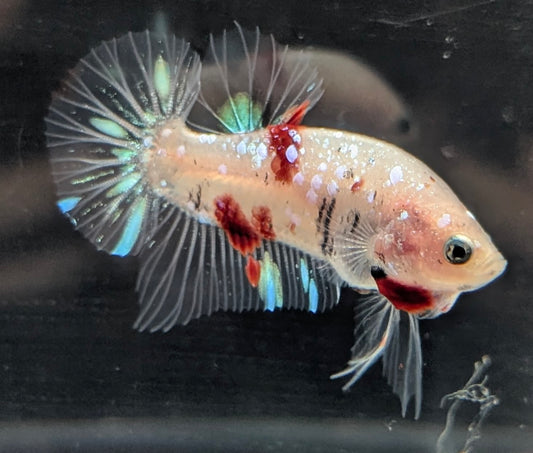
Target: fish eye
column 458, row 249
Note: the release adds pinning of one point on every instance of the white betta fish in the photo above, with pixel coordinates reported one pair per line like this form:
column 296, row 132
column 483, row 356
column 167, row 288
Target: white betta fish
column 263, row 213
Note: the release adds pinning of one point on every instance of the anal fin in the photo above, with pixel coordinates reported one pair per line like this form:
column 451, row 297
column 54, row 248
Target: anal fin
column 189, row 269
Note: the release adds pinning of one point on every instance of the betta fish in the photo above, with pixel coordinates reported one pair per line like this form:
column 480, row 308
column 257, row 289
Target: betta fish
column 240, row 206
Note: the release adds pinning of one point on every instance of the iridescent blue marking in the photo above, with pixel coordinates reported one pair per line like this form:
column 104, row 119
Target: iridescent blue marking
column 270, row 296
column 313, row 296
column 304, row 274
column 124, row 186
column 132, row 230
column 68, row 204
column 270, row 287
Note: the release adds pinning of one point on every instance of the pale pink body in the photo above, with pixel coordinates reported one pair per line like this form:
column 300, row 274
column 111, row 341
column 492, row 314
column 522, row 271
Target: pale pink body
column 409, row 208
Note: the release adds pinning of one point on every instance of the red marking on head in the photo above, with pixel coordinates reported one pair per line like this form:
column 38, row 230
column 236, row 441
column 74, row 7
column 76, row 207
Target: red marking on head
column 412, row 299
column 262, row 222
column 241, row 234
column 253, row 271
column 357, row 185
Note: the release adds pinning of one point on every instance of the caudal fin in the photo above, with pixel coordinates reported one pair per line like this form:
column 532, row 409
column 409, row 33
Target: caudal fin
column 100, row 123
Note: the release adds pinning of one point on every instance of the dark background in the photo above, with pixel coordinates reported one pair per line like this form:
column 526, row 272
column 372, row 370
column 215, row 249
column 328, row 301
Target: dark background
column 74, row 375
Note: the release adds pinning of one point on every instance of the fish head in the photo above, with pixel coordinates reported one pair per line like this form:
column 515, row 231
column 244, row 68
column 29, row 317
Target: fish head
column 430, row 249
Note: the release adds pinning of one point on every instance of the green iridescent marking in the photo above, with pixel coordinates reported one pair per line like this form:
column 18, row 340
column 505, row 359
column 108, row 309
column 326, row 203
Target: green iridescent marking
column 269, row 287
column 241, row 114
column 115, row 210
column 108, row 127
column 123, row 186
column 162, row 79
column 150, row 119
column 127, row 169
column 92, row 177
column 123, row 154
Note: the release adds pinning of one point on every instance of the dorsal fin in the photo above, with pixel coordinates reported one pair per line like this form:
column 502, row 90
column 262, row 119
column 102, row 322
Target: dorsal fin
column 295, row 115
column 248, row 83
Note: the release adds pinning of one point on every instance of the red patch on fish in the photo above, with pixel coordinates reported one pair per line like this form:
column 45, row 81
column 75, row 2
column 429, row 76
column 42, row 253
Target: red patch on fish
column 295, row 115
column 285, row 143
column 253, row 271
column 357, row 185
column 262, row 221
column 241, row 234
column 412, row 299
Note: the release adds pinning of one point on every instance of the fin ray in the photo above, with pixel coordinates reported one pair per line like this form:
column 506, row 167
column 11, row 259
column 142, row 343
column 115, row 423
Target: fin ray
column 402, row 363
column 380, row 333
column 248, row 83
column 189, row 269
column 99, row 126
column 373, row 322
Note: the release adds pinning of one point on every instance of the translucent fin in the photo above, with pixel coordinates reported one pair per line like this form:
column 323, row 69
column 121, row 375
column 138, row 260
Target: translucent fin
column 100, row 123
column 248, row 82
column 190, row 270
column 351, row 243
column 379, row 333
column 402, row 362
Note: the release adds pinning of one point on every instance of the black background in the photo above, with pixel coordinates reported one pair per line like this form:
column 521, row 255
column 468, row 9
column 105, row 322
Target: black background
column 74, row 375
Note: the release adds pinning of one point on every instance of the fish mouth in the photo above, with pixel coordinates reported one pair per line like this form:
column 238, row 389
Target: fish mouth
column 443, row 301
column 488, row 271
column 485, row 273
column 495, row 267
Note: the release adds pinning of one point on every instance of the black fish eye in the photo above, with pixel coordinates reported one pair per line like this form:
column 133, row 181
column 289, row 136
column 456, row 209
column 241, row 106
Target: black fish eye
column 458, row 249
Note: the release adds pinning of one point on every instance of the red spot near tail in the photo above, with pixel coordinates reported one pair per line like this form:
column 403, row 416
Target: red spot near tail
column 241, row 234
column 285, row 143
column 357, row 185
column 262, row 221
column 412, row 299
column 253, row 271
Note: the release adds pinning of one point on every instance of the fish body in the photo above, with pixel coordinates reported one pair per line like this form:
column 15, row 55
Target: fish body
column 265, row 213
column 347, row 178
